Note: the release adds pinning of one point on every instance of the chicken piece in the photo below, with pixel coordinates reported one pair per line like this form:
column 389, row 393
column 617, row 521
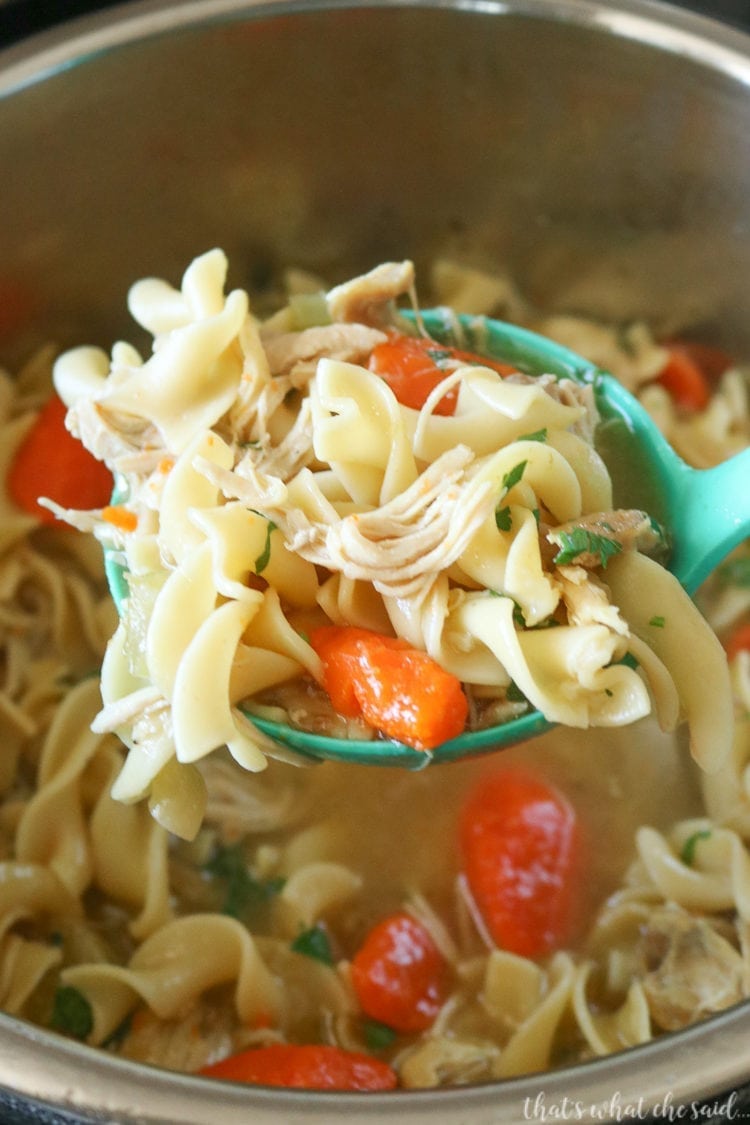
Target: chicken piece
column 587, row 601
column 207, row 1032
column 443, row 1061
column 690, row 969
column 297, row 353
column 369, row 299
column 590, row 540
column 402, row 545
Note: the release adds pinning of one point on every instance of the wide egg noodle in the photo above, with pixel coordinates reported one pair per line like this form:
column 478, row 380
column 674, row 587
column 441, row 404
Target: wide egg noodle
column 201, row 712
column 659, row 611
column 726, row 792
column 243, row 542
column 358, row 430
column 565, row 672
column 186, row 490
column 491, row 412
column 180, row 961
column 717, row 877
column 192, row 376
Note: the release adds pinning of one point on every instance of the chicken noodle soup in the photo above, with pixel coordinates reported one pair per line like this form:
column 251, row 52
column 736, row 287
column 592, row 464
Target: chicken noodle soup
column 328, row 517
column 173, row 889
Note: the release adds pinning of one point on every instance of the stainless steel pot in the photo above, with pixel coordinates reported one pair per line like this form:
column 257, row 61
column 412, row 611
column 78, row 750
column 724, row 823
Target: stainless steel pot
column 598, row 150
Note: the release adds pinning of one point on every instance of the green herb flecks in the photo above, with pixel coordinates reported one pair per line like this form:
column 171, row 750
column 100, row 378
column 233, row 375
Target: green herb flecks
column 503, row 520
column 687, row 853
column 513, row 693
column 658, row 622
column 314, row 943
column 513, row 476
column 439, row 356
column 244, row 894
column 264, row 557
column 579, row 542
column 71, row 1013
column 537, row 435
column 378, row 1035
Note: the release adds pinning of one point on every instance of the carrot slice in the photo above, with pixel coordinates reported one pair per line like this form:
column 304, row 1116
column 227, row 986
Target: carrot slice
column 520, row 849
column 412, row 367
column 51, row 462
column 400, row 975
column 684, row 379
column 309, row 1066
column 399, row 690
column 738, row 641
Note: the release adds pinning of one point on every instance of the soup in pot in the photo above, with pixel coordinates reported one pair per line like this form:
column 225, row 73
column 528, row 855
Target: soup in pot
column 179, row 890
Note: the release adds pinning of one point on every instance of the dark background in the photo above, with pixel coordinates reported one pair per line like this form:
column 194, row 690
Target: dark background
column 19, row 18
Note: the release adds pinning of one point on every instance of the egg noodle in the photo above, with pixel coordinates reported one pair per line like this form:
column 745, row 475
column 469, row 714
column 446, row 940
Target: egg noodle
column 163, row 864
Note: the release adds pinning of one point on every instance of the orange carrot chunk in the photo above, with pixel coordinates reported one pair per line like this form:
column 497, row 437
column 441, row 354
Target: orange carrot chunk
column 738, row 641
column 309, row 1066
column 400, row 975
column 684, row 379
column 411, row 365
column 399, row 690
column 520, row 850
column 51, row 462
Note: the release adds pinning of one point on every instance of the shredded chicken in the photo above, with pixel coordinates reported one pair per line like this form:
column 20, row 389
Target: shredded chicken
column 241, row 803
column 400, row 546
column 691, row 969
column 297, row 353
column 285, row 459
column 586, row 600
column 111, row 437
column 627, row 528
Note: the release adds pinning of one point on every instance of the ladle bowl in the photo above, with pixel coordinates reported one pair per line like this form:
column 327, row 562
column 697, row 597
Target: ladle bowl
column 705, row 512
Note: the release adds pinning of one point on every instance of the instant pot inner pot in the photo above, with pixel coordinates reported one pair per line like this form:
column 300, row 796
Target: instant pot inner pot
column 605, row 170
column 607, row 175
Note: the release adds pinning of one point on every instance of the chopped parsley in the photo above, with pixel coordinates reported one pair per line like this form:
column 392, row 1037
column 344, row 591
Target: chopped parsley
column 314, row 943
column 264, row 557
column 244, row 893
column 439, row 355
column 537, row 435
column 514, row 694
column 503, row 520
column 378, row 1035
column 71, row 1013
column 583, row 542
column 687, row 854
column 658, row 622
column 514, row 475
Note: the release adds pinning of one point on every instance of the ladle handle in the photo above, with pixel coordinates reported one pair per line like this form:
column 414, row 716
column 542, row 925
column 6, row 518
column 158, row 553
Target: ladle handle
column 711, row 515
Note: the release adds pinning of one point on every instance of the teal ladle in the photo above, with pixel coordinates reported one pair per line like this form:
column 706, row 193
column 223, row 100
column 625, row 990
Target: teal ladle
column 706, row 513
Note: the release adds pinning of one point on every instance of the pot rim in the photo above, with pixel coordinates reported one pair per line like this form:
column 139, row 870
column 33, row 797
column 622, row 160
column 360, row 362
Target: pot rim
column 701, row 1066
column 655, row 23
column 652, row 1079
